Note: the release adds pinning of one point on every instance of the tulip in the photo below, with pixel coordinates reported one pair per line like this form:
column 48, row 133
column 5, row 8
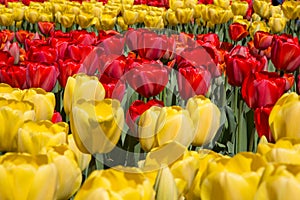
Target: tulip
column 171, row 17
column 6, row 58
column 33, row 136
column 44, row 102
column 148, row 79
column 87, row 87
column 42, row 54
column 46, row 27
column 67, row 68
column 112, row 42
column 69, row 179
column 184, row 15
column 9, row 93
column 212, row 38
column 120, row 183
column 239, row 7
column 56, row 117
column 261, row 118
column 237, row 31
column 290, row 9
column 130, row 16
column 113, row 65
column 280, row 121
column 114, row 88
column 258, row 26
column 136, row 109
column 31, row 15
column 45, row 17
column 277, row 23
column 21, row 35
column 285, row 53
column 122, row 24
column 27, row 177
column 222, row 3
column 66, row 19
column 240, row 63
column 41, row 76
column 96, row 122
column 262, row 40
column 263, row 89
column 165, row 185
column 6, row 19
column 262, row 8
column 83, row 37
column 18, row 13
column 218, row 15
column 107, row 21
column 206, row 117
column 158, row 125
column 85, row 20
column 13, row 114
column 14, row 76
column 82, row 159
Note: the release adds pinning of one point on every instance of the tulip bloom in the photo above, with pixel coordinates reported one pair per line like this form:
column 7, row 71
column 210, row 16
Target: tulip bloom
column 158, row 125
column 112, row 65
column 147, row 78
column 136, row 109
column 46, row 27
column 67, row 68
column 261, row 118
column 120, row 183
column 42, row 54
column 27, row 177
column 285, row 54
column 263, row 89
column 262, row 40
column 193, row 81
column 212, row 38
column 96, row 125
column 206, row 117
column 87, row 87
column 33, row 136
column 114, row 88
column 240, row 63
column 277, row 23
column 282, row 118
column 237, row 31
column 13, row 114
column 14, row 75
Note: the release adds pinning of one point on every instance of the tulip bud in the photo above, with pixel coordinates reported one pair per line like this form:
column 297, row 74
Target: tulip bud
column 85, row 20
column 277, row 23
column 239, row 7
column 165, row 185
column 206, row 118
column 262, row 8
column 291, row 9
column 222, row 3
column 171, row 17
column 31, row 15
column 130, row 16
column 184, row 15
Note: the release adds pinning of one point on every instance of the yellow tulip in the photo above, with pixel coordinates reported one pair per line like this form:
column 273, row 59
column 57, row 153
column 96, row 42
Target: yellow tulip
column 9, row 93
column 277, row 23
column 73, row 9
column 255, row 17
column 258, row 26
column 184, row 15
column 262, row 8
column 66, row 19
column 27, row 177
column 33, row 136
column 153, row 21
column 12, row 115
column 130, row 16
column 58, row 7
column 68, row 171
column 158, row 125
column 44, row 102
column 85, row 20
column 275, row 10
column 291, row 9
column 96, row 11
column 46, row 17
column 18, row 13
column 239, row 7
column 31, row 15
column 142, row 12
column 165, row 185
column 108, row 21
column 97, row 125
column 171, row 17
column 222, row 3
column 120, row 183
column 122, row 23
column 239, row 19
column 206, row 117
column 87, row 87
column 175, row 4
column 218, row 15
column 6, row 19
column 82, row 159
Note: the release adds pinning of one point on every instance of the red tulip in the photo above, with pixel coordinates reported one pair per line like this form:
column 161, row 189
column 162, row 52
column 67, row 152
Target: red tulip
column 131, row 38
column 193, row 81
column 67, row 68
column 261, row 118
column 46, row 27
column 78, row 52
column 240, row 63
column 256, row 52
column 285, row 53
column 6, row 35
column 147, row 78
column 83, row 37
column 112, row 65
column 263, row 89
column 41, row 76
column 60, row 34
column 6, row 58
column 103, row 35
column 42, row 54
column 114, row 88
column 205, row 1
column 34, row 42
column 14, row 75
column 136, row 109
column 61, row 45
column 237, row 31
column 212, row 38
column 262, row 40
column 56, row 117
column 298, row 84
column 21, row 35
column 113, row 44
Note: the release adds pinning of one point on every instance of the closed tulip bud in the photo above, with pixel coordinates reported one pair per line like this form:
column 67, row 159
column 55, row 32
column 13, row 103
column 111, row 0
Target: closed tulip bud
column 255, row 17
column 27, row 177
column 66, row 19
column 165, row 185
column 291, row 9
column 33, row 136
column 74, row 9
column 158, row 125
column 116, row 183
column 45, row 17
column 262, row 8
column 87, row 87
column 13, row 114
column 282, row 118
column 122, row 23
column 175, row 4
column 82, row 159
column 85, row 20
column 18, row 13
column 68, row 171
column 32, row 15
column 222, row 3
column 239, row 7
column 6, row 19
column 275, row 10
column 277, row 23
column 44, row 102
column 97, row 125
column 218, row 15
column 258, row 26
column 130, row 16
column 153, row 21
column 184, row 15
column 206, row 117
column 171, row 17
column 107, row 21
column 240, row 19
column 190, row 3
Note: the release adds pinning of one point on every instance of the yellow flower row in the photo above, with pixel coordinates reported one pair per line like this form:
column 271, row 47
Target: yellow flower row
column 124, row 13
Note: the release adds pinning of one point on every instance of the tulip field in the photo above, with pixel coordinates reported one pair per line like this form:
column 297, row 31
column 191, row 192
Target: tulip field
column 149, row 99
